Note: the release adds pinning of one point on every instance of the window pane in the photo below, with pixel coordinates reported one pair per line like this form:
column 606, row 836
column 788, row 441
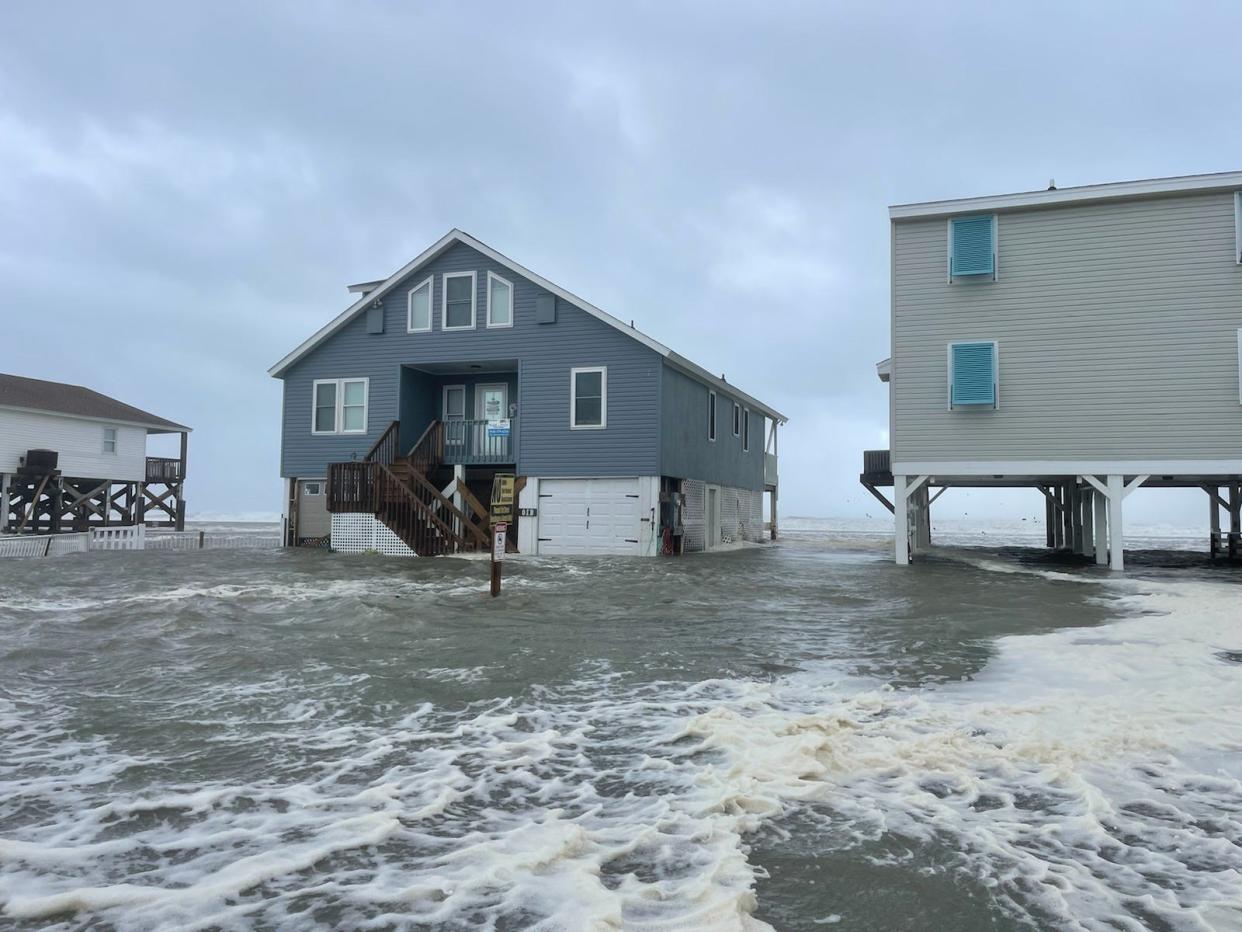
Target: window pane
column 325, row 419
column 589, row 385
column 420, row 309
column 325, row 395
column 355, row 392
column 458, row 301
column 352, row 418
column 457, row 314
column 458, row 288
column 455, row 402
column 498, row 303
column 588, row 411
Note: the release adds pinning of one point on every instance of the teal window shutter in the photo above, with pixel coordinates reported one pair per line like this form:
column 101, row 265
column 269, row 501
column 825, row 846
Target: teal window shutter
column 972, row 374
column 972, row 246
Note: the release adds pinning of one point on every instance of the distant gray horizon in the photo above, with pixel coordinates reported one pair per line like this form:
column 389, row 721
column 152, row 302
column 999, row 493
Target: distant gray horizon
column 190, row 190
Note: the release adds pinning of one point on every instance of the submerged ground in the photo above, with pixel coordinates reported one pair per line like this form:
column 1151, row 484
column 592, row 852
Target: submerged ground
column 802, row 736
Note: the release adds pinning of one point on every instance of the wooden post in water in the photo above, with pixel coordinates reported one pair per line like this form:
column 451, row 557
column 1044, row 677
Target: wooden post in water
column 498, row 555
column 503, row 492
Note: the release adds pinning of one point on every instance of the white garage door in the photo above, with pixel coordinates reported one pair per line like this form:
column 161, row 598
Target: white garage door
column 586, row 516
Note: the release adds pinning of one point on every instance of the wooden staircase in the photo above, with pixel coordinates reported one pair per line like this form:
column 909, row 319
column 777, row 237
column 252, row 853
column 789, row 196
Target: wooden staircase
column 397, row 490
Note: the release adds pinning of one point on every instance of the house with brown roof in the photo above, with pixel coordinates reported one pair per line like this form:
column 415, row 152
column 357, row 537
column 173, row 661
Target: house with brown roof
column 72, row 458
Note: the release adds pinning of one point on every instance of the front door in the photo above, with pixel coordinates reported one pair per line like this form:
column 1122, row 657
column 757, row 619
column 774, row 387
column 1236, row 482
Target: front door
column 491, row 403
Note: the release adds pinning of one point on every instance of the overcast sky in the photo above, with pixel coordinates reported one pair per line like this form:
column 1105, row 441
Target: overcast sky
column 186, row 189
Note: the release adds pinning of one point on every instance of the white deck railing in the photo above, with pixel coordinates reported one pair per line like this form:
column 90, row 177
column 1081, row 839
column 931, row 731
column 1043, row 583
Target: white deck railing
column 130, row 538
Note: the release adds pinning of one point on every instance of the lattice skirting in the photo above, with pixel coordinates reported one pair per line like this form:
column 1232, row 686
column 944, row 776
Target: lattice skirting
column 741, row 515
column 365, row 533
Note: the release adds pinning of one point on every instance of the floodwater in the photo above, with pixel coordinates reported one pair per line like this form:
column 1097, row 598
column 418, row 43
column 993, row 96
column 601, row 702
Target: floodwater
column 799, row 736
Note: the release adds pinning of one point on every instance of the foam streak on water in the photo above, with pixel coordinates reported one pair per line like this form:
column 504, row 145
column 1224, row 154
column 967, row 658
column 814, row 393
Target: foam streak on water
column 1081, row 777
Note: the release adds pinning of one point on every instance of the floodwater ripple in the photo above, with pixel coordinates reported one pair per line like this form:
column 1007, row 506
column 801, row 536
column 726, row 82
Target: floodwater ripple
column 795, row 736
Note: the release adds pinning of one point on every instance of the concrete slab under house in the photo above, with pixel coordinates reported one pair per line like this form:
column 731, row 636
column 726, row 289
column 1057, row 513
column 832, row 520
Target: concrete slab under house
column 1083, row 341
column 463, row 365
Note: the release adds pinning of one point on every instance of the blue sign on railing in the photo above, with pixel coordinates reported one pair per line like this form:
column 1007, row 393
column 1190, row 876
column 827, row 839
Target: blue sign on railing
column 498, row 428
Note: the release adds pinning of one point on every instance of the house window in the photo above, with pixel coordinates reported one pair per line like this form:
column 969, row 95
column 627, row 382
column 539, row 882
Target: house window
column 972, row 247
column 109, row 439
column 419, row 308
column 312, row 488
column 746, row 430
column 588, row 398
column 457, row 310
column 737, row 419
column 711, row 416
column 340, row 406
column 499, row 301
column 973, row 375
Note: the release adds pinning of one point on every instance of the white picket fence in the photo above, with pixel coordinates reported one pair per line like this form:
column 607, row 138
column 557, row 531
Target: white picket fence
column 130, row 538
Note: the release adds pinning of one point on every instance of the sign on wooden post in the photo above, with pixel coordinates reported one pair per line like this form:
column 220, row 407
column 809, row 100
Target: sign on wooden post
column 498, row 555
column 502, row 498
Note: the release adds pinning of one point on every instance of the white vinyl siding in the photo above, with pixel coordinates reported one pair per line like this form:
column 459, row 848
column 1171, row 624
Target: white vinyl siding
column 339, row 406
column 588, row 398
column 418, row 308
column 78, row 442
column 1117, row 320
column 457, row 301
column 499, row 301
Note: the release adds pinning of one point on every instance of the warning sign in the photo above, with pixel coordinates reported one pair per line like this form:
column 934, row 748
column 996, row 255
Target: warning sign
column 502, row 498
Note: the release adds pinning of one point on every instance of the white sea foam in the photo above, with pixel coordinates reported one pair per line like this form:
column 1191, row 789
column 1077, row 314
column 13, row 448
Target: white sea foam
column 1089, row 777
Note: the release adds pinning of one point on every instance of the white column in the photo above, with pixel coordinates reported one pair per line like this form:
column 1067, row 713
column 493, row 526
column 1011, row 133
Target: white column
column 1088, row 522
column 1116, row 533
column 901, row 522
column 1101, row 529
column 4, row 502
column 922, row 518
column 459, row 501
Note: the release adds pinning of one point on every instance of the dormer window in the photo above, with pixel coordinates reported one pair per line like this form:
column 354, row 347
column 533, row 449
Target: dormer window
column 457, row 309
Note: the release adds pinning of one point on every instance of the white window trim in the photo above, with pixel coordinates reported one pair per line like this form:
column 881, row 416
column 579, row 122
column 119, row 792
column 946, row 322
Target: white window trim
column 474, row 299
column 1240, row 365
column 948, row 351
column 116, row 438
column 603, row 398
column 737, row 419
column 713, row 415
column 492, row 276
column 746, row 430
column 338, row 417
column 409, row 306
column 948, row 227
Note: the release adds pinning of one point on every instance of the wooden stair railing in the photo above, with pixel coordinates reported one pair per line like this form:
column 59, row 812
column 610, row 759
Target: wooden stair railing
column 412, row 512
column 475, row 509
column 385, row 448
column 428, row 451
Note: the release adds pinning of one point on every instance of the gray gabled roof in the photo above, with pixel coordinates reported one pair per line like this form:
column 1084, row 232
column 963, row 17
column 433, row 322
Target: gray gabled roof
column 458, row 236
column 21, row 393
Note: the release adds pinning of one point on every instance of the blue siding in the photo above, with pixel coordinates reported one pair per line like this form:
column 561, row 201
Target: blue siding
column 544, row 353
column 686, row 453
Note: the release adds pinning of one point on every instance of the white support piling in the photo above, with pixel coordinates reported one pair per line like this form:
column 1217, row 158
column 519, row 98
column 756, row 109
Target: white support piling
column 901, row 522
column 1116, row 530
column 4, row 501
column 1088, row 522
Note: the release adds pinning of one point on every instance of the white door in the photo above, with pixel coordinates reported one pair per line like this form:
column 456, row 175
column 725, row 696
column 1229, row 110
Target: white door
column 454, row 415
column 589, row 516
column 313, row 517
column 491, row 402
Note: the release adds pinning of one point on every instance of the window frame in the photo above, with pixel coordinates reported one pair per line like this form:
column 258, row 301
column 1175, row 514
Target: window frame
column 573, row 397
column 978, row 276
column 409, row 306
column 712, row 413
column 444, row 393
column 338, row 408
column 995, row 406
column 746, row 430
column 737, row 419
column 316, row 483
column 487, row 315
column 474, row 300
column 115, row 441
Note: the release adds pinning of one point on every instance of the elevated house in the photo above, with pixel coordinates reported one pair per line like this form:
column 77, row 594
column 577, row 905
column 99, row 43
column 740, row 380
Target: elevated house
column 72, row 459
column 1082, row 341
column 463, row 364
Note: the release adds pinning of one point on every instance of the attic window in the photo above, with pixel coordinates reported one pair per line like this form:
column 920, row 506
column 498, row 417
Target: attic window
column 419, row 308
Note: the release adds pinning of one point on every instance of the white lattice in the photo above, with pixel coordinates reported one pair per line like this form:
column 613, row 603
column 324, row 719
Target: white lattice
column 692, row 515
column 356, row 533
column 730, row 531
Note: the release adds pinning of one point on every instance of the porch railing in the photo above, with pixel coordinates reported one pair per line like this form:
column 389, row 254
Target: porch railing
column 164, row 469
column 480, row 443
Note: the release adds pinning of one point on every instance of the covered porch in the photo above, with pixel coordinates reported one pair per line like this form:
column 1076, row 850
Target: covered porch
column 476, row 404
